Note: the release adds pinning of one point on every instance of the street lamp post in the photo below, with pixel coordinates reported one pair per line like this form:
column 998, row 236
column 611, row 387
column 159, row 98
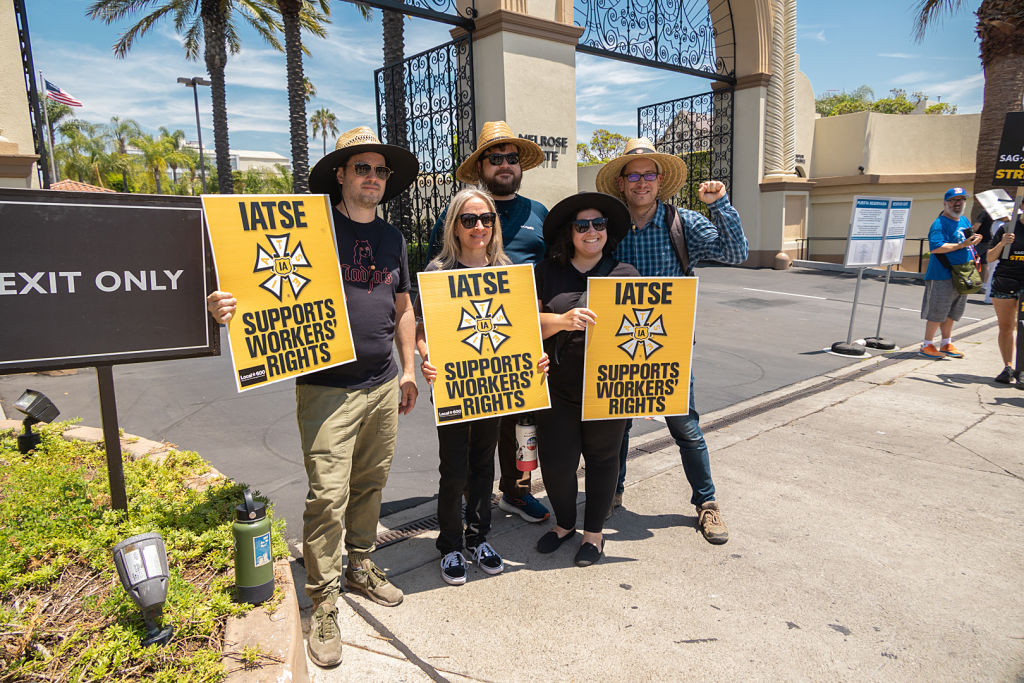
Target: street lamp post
column 192, row 83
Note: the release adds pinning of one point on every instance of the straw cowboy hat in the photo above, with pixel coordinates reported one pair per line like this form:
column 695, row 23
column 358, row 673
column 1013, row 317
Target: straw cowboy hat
column 564, row 212
column 323, row 179
column 498, row 133
column 671, row 168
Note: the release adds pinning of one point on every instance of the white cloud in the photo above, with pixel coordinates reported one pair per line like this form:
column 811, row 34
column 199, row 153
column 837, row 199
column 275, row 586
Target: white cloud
column 898, row 55
column 914, row 77
column 818, row 35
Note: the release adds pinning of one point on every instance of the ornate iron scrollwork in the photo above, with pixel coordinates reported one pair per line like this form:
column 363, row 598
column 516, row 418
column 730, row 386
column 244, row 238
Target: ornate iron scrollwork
column 700, row 130
column 673, row 33
column 435, row 120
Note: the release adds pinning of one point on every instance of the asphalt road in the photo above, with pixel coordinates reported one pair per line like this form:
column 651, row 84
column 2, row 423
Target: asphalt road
column 757, row 331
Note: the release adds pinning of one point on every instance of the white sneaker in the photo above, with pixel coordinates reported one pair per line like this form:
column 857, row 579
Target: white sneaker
column 487, row 559
column 453, row 568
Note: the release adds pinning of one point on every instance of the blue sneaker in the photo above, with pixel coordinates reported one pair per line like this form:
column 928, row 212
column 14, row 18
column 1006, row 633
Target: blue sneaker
column 527, row 507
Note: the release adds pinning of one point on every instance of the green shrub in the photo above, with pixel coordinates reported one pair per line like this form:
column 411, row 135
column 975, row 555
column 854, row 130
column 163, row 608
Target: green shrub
column 63, row 613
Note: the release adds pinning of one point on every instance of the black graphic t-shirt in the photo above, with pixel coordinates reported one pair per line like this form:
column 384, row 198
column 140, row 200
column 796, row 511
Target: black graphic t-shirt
column 374, row 268
column 1014, row 265
column 559, row 289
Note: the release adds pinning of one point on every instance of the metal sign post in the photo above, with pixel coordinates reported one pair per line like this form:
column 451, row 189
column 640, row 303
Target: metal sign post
column 878, row 231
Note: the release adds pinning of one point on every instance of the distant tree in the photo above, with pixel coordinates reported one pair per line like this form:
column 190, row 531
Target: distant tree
column 604, row 146
column 1000, row 31
column 308, row 89
column 844, row 102
column 118, row 133
column 861, row 99
column 154, row 152
column 324, row 123
column 56, row 112
column 201, row 23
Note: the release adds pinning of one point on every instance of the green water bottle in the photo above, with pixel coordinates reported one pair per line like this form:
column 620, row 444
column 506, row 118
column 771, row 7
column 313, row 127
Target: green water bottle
column 254, row 562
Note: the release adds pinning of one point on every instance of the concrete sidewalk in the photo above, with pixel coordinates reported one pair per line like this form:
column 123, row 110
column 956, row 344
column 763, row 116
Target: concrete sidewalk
column 877, row 532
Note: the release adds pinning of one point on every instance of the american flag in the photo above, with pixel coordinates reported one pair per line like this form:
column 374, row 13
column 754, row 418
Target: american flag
column 57, row 95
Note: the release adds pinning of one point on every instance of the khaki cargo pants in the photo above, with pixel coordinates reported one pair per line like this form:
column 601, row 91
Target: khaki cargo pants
column 348, row 440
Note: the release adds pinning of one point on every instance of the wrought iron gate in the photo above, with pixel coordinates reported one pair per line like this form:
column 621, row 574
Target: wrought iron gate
column 698, row 129
column 425, row 103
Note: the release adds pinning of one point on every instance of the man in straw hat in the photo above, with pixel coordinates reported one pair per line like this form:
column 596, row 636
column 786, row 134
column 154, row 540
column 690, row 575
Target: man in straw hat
column 498, row 164
column 664, row 241
column 348, row 415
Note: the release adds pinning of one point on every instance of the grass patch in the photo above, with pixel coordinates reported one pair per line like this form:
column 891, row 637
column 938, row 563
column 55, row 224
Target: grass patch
column 63, row 612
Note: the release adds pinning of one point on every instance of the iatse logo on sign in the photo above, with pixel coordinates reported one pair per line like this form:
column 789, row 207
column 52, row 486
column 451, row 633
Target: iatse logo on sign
column 254, row 375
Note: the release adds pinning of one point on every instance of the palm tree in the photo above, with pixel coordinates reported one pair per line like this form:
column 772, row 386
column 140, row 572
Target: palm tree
column 1000, row 32
column 206, row 22
column 324, row 123
column 82, row 154
column 55, row 113
column 308, row 89
column 293, row 14
column 176, row 144
column 154, row 156
column 119, row 133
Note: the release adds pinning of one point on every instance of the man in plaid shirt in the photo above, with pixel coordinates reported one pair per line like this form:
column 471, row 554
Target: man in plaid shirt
column 643, row 178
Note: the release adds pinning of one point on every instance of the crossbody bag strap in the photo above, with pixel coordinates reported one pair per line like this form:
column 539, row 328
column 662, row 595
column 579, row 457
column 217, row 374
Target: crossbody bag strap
column 678, row 239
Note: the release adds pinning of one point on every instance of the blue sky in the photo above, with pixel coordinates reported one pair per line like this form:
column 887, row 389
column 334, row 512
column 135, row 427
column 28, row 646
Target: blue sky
column 842, row 45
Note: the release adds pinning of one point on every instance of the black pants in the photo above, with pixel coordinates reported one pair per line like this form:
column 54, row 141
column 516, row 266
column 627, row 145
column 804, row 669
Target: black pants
column 561, row 438
column 466, row 453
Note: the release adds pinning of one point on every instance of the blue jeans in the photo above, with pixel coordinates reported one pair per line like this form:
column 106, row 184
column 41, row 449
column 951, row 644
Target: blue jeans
column 693, row 452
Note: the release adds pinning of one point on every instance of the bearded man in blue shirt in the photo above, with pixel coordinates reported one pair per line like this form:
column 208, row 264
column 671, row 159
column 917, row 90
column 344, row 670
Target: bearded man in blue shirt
column 644, row 179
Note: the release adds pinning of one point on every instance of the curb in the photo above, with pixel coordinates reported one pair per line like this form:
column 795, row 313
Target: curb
column 277, row 635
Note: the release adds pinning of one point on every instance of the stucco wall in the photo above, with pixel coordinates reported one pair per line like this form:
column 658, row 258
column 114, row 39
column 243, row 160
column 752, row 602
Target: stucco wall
column 894, row 144
column 15, row 124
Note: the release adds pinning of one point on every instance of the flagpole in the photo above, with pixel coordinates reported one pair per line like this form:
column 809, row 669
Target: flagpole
column 49, row 133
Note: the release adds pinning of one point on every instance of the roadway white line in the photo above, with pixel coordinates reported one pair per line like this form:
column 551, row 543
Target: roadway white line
column 913, row 310
column 769, row 291
column 967, row 318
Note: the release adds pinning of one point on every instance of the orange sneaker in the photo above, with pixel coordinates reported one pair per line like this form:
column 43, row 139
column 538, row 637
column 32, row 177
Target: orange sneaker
column 929, row 351
column 951, row 351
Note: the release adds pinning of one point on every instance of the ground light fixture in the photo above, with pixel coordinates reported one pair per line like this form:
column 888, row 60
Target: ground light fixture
column 37, row 408
column 141, row 563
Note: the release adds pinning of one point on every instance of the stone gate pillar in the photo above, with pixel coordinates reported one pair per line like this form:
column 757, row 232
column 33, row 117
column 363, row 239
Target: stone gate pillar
column 771, row 197
column 524, row 72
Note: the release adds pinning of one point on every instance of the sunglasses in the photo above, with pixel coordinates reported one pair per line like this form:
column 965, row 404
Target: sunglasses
column 363, row 169
column 469, row 220
column 582, row 225
column 635, row 177
column 512, row 158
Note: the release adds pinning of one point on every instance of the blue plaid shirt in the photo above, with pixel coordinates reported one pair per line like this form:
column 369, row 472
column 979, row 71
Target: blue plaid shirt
column 649, row 248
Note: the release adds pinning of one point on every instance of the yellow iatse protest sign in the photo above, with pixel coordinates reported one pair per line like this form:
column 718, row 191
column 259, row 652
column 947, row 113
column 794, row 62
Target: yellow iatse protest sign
column 277, row 255
column 483, row 333
column 638, row 354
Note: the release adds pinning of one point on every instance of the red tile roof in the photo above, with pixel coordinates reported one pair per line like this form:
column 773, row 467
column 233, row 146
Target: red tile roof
column 75, row 186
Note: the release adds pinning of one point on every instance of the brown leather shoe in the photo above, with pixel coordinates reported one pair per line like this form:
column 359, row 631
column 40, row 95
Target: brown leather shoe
column 709, row 520
column 365, row 577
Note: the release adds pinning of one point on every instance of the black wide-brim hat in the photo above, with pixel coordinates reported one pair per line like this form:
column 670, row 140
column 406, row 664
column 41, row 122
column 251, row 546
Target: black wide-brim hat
column 564, row 212
column 404, row 165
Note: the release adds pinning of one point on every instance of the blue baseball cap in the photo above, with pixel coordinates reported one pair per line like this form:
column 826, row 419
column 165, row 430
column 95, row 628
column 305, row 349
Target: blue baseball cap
column 955, row 192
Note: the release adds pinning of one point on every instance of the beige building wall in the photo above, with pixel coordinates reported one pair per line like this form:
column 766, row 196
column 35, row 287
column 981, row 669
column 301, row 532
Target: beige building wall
column 918, row 157
column 17, row 150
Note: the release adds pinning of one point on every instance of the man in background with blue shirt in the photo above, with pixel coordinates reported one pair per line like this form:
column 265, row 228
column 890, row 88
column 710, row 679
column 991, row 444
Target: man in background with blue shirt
column 942, row 305
column 644, row 178
column 498, row 164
